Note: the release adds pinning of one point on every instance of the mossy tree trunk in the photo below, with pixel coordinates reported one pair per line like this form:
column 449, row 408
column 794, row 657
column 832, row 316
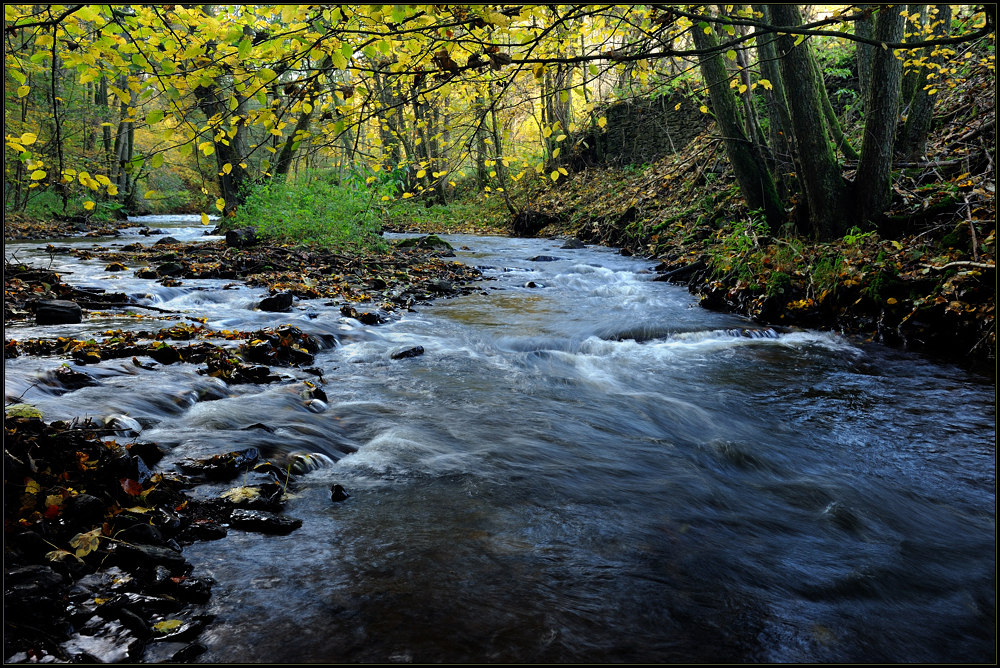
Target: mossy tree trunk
column 913, row 139
column 872, row 188
column 749, row 166
column 825, row 190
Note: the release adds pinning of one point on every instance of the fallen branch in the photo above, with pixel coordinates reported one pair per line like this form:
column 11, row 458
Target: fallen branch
column 962, row 263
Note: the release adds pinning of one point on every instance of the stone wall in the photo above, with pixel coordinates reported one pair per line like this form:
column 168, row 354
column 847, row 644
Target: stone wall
column 640, row 132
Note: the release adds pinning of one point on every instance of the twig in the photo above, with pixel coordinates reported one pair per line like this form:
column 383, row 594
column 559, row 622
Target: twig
column 962, row 263
column 972, row 227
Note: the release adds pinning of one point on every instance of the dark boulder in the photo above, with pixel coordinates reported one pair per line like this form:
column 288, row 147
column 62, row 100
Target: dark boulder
column 58, row 312
column 276, row 303
column 263, row 521
column 573, row 244
column 222, row 467
column 242, row 238
column 132, row 557
column 338, row 493
column 415, row 351
column 543, row 258
column 166, row 240
column 170, row 269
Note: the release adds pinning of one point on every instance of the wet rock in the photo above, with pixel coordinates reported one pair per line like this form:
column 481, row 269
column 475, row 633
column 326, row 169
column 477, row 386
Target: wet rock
column 276, row 303
column 165, row 354
column 364, row 318
column 189, row 653
column 131, row 557
column 263, row 522
column 203, row 529
column 543, row 258
column 170, row 269
column 139, row 604
column 440, row 286
column 150, row 452
column 338, row 493
column 115, row 266
column 415, row 351
column 254, row 497
column 166, row 240
column 58, row 312
column 146, row 272
column 531, row 284
column 84, row 509
column 144, row 534
column 187, row 588
column 71, row 379
column 573, row 244
column 222, row 467
column 242, row 238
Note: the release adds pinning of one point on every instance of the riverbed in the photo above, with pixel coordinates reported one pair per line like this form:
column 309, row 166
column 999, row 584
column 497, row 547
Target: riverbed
column 582, row 466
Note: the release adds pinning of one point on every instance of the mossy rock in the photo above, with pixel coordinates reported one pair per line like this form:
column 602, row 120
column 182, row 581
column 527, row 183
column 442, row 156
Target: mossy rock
column 431, row 241
column 26, row 411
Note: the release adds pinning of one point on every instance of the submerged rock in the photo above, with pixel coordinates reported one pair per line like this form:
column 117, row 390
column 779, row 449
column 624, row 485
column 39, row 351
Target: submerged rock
column 338, row 493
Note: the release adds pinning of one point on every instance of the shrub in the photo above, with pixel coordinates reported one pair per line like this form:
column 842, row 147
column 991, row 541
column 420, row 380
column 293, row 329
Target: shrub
column 338, row 216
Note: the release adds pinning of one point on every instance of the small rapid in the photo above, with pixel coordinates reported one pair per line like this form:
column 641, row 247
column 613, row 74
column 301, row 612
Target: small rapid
column 582, row 466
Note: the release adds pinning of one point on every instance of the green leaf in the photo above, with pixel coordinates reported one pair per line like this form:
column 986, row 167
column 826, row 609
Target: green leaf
column 154, row 116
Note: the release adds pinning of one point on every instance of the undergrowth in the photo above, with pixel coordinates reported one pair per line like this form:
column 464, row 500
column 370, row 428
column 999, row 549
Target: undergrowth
column 338, row 216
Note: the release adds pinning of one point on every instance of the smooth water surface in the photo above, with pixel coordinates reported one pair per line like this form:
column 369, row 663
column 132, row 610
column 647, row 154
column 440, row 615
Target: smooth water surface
column 591, row 470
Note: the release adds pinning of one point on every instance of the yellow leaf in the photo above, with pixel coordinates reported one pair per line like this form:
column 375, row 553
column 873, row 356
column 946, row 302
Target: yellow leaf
column 562, row 170
column 37, row 175
column 220, row 204
column 554, row 175
column 743, row 88
column 766, row 84
column 103, row 180
column 703, row 109
column 88, row 205
column 227, row 168
column 112, row 189
column 29, row 138
column 167, row 625
column 204, row 219
column 555, row 153
column 677, row 106
column 23, row 90
column 601, row 122
column 890, row 300
column 421, row 173
column 407, row 195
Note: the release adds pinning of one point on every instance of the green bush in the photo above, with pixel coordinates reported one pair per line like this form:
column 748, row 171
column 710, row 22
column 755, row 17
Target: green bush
column 338, row 216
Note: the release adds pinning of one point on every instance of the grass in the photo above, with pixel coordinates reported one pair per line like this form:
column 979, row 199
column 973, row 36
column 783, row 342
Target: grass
column 345, row 217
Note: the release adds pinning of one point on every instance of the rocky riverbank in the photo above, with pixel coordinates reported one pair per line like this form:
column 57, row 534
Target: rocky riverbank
column 94, row 531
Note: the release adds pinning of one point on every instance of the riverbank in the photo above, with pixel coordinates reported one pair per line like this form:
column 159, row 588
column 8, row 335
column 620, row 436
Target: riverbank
column 94, row 532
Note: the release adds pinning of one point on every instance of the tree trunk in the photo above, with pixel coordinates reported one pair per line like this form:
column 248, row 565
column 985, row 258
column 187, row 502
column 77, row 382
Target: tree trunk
column 918, row 120
column 231, row 151
column 825, row 190
column 780, row 137
column 872, row 183
column 865, row 27
column 836, row 132
column 748, row 165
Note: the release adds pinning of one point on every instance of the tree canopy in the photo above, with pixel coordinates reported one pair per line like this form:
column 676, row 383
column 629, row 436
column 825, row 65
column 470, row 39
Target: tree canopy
column 101, row 100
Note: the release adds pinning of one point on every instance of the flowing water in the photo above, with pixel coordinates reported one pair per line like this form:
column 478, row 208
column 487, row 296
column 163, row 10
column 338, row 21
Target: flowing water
column 591, row 470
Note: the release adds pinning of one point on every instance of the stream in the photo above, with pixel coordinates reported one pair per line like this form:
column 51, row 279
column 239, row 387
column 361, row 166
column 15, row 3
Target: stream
column 591, row 470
